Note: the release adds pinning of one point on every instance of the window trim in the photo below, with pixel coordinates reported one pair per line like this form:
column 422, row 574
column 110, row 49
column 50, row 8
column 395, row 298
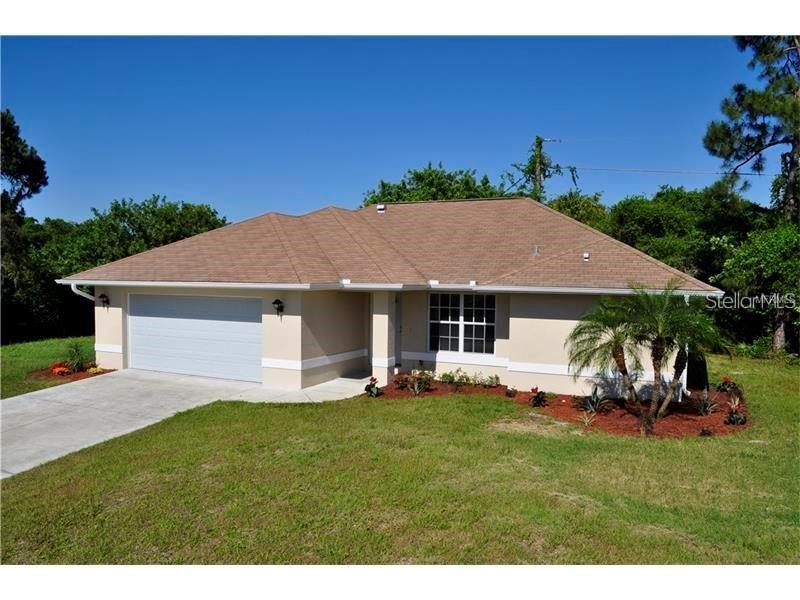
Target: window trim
column 461, row 324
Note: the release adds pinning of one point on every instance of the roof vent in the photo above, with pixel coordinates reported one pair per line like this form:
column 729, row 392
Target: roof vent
column 473, row 283
column 381, row 208
column 536, row 250
column 345, row 282
column 585, row 256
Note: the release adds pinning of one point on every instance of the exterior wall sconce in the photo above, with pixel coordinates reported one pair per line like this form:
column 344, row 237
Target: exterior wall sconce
column 104, row 300
column 278, row 306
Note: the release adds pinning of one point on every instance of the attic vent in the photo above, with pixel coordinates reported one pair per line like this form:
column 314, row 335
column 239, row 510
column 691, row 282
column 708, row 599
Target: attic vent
column 585, row 256
column 537, row 250
column 381, row 208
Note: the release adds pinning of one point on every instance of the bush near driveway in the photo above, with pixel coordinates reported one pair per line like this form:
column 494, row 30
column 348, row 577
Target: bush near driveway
column 18, row 360
column 451, row 479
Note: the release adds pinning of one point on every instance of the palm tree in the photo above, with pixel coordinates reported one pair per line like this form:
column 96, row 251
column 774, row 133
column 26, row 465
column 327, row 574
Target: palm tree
column 602, row 340
column 654, row 323
column 697, row 333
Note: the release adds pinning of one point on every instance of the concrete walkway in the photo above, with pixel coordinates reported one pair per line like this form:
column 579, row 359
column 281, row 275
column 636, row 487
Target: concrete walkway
column 44, row 425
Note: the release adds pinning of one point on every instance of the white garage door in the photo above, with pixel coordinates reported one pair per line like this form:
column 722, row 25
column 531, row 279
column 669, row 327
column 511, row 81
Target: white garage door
column 212, row 337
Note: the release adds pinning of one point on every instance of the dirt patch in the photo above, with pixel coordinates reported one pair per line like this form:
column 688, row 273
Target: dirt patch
column 444, row 389
column 535, row 423
column 47, row 374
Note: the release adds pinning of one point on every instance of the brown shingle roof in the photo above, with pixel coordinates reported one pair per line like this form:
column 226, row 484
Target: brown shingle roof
column 454, row 242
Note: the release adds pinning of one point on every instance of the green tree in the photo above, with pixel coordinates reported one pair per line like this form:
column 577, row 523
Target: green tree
column 127, row 227
column 757, row 119
column 527, row 178
column 585, row 208
column 602, row 340
column 432, row 183
column 24, row 174
column 768, row 263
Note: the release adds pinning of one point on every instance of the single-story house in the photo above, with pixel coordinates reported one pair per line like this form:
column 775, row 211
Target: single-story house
column 491, row 286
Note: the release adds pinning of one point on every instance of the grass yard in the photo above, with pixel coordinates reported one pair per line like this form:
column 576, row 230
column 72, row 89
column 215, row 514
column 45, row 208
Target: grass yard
column 456, row 479
column 17, row 360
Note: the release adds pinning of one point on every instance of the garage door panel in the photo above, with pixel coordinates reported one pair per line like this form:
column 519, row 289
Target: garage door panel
column 209, row 336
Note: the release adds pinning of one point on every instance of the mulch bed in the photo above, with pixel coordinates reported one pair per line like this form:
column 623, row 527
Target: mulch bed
column 618, row 418
column 48, row 374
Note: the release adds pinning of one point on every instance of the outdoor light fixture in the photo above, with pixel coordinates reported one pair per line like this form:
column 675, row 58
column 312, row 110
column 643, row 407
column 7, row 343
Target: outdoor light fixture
column 104, row 299
column 277, row 305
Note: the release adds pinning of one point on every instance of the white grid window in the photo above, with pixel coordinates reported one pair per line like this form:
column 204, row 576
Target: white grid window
column 461, row 323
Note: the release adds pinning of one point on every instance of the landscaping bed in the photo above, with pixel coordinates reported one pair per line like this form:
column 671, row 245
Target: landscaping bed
column 47, row 375
column 617, row 416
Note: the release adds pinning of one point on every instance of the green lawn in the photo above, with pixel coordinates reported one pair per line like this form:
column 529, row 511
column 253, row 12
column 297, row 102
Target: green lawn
column 17, row 360
column 453, row 479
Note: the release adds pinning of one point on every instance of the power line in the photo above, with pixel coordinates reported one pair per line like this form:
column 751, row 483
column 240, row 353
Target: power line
column 666, row 171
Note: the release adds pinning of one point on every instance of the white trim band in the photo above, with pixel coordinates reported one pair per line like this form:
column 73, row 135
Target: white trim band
column 312, row 363
column 115, row 348
column 378, row 361
column 464, row 358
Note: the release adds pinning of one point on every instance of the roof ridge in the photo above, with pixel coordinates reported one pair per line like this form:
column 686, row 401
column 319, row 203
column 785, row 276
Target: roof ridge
column 685, row 276
column 358, row 243
column 439, row 201
column 271, row 217
column 386, row 241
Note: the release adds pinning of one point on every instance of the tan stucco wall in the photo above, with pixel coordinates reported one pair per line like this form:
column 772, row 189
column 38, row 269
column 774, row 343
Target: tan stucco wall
column 333, row 322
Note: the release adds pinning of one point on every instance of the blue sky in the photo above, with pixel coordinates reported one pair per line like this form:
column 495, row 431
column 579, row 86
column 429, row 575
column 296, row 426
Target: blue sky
column 291, row 124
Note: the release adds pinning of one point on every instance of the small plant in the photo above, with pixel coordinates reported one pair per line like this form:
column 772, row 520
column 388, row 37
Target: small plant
column 372, row 389
column 511, row 392
column 94, row 370
column 736, row 414
column 401, row 381
column 461, row 379
column 448, row 377
column 75, row 359
column 538, row 397
column 706, row 406
column 491, row 381
column 61, row 371
column 420, row 381
column 706, row 432
column 587, row 419
column 728, row 386
column 594, row 403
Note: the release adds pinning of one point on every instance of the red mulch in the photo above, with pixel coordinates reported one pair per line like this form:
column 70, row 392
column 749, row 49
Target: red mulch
column 682, row 419
column 48, row 374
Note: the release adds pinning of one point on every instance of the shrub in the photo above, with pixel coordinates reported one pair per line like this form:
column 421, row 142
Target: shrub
column 538, row 397
column 493, row 381
column 760, row 348
column 420, row 381
column 75, row 359
column 511, row 392
column 401, row 381
column 61, row 371
column 372, row 389
column 594, row 403
column 461, row 379
column 706, row 431
column 447, row 377
column 94, row 370
column 728, row 386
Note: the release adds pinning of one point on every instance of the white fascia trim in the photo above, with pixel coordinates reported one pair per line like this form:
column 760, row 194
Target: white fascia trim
column 312, row 363
column 204, row 284
column 464, row 358
column 378, row 361
column 117, row 349
column 379, row 287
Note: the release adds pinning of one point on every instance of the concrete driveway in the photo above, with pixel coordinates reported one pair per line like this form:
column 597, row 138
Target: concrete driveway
column 43, row 425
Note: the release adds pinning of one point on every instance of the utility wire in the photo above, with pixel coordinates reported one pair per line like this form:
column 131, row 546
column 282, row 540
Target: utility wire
column 663, row 171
